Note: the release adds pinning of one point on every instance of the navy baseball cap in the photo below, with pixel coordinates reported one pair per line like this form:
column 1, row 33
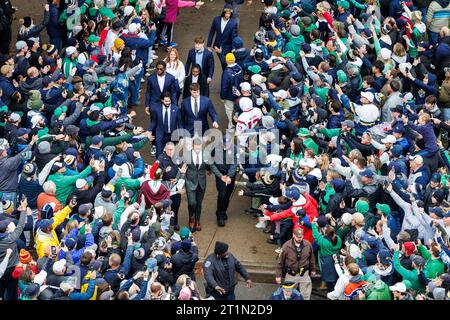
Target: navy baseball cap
column 367, row 173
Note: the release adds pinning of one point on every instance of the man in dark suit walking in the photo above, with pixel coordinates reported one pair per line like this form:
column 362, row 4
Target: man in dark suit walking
column 201, row 56
column 160, row 82
column 224, row 29
column 165, row 118
column 197, row 108
column 197, row 164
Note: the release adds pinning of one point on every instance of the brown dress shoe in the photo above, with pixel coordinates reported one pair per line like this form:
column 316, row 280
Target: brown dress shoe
column 198, row 227
column 191, row 223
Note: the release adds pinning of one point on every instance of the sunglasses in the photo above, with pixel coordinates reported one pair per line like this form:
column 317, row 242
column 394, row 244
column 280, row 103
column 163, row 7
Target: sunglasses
column 160, row 69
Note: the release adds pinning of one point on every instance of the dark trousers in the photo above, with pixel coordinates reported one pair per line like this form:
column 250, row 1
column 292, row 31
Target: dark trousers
column 5, row 40
column 176, row 201
column 8, row 285
column 159, row 145
column 223, row 199
column 169, row 32
column 226, row 296
column 195, row 199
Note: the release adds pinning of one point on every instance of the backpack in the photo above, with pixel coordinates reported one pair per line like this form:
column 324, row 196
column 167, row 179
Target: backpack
column 236, row 79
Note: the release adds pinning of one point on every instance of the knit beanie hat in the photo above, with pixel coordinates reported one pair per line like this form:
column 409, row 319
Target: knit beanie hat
column 34, row 101
column 27, row 22
column 229, row 58
column 362, row 206
column 185, row 294
column 24, row 256
column 342, row 77
column 118, row 43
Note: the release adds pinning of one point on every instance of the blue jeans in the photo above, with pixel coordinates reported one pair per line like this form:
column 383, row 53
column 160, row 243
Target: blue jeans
column 433, row 37
column 57, row 42
column 446, row 114
column 135, row 87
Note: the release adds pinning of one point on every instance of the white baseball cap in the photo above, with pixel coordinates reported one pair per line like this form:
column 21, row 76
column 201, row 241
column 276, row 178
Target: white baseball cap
column 399, row 287
column 70, row 50
column 246, row 86
column 281, row 94
column 389, row 139
column 368, row 95
column 58, row 266
column 132, row 28
column 80, row 183
column 128, row 10
column 109, row 110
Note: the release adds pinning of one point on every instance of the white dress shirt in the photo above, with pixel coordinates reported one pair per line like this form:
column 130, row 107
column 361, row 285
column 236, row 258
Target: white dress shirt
column 193, row 104
column 164, row 114
column 161, row 80
column 223, row 24
column 194, row 79
column 194, row 158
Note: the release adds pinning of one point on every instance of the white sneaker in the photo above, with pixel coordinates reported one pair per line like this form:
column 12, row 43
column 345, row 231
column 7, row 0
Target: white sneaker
column 154, row 57
column 278, row 250
column 142, row 80
column 261, row 225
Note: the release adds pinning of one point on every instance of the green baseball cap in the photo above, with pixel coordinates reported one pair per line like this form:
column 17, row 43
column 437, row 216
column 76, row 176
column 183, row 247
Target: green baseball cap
column 384, row 208
column 289, row 54
column 362, row 206
column 303, row 132
column 59, row 111
column 42, row 132
column 342, row 77
column 93, row 38
column 255, row 69
column 101, row 80
column 344, row 4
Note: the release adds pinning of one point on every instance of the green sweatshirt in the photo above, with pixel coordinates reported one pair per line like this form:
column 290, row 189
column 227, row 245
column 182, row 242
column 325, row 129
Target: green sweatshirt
column 411, row 275
column 116, row 216
column 434, row 267
column 65, row 184
column 326, row 247
column 110, row 141
column 130, row 183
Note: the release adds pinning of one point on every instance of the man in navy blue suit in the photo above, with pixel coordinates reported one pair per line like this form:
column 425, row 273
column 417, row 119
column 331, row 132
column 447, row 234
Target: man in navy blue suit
column 196, row 108
column 224, row 29
column 160, row 82
column 165, row 119
column 201, row 56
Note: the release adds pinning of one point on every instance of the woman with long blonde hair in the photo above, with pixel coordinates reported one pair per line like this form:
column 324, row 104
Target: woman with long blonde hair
column 175, row 67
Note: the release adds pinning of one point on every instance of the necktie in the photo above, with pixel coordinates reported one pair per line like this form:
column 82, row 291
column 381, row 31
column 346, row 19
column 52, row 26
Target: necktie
column 195, row 107
column 166, row 119
column 198, row 160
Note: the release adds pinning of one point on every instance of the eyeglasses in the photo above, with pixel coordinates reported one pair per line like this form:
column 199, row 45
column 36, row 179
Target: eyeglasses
column 160, row 69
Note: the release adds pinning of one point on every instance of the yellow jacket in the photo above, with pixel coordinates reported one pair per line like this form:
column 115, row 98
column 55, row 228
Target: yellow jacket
column 43, row 240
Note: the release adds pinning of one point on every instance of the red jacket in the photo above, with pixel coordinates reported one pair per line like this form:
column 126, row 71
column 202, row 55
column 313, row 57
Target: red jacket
column 312, row 212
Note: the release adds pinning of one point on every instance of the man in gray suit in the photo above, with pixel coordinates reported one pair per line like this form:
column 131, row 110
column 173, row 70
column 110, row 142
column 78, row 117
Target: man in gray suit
column 196, row 184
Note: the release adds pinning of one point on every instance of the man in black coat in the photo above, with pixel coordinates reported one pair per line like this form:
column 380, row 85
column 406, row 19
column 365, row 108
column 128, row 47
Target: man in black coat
column 220, row 270
column 183, row 262
column 6, row 18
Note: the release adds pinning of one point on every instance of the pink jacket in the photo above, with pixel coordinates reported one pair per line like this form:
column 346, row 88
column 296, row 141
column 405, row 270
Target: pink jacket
column 172, row 7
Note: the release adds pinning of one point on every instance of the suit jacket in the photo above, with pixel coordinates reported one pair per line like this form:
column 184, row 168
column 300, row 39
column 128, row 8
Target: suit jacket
column 194, row 176
column 157, row 123
column 207, row 62
column 153, row 93
column 222, row 40
column 204, row 88
column 205, row 107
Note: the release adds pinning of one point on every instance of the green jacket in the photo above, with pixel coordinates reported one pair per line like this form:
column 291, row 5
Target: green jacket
column 293, row 44
column 434, row 267
column 379, row 291
column 110, row 141
column 130, row 183
column 65, row 184
column 326, row 247
column 310, row 144
column 411, row 275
